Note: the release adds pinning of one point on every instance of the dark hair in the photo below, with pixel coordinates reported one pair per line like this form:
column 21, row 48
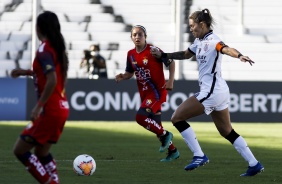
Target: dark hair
column 139, row 26
column 203, row 16
column 97, row 46
column 49, row 26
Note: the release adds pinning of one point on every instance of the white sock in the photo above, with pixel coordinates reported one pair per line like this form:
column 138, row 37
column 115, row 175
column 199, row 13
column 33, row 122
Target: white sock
column 242, row 147
column 190, row 139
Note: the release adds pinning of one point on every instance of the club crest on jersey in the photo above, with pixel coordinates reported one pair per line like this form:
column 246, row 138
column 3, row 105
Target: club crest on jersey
column 148, row 110
column 148, row 102
column 145, row 61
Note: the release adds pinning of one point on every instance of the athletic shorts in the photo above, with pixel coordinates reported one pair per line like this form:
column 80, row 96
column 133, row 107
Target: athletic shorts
column 215, row 102
column 45, row 129
column 149, row 100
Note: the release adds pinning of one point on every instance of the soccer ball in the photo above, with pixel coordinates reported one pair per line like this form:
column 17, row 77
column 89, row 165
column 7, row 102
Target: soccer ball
column 84, row 165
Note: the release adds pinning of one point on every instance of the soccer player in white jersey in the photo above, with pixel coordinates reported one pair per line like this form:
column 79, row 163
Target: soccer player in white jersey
column 214, row 94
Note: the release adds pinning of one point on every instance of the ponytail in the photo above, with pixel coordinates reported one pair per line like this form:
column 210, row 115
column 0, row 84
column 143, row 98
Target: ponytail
column 49, row 26
column 203, row 16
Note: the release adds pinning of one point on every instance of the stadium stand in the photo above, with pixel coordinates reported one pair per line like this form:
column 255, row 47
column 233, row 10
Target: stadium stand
column 108, row 23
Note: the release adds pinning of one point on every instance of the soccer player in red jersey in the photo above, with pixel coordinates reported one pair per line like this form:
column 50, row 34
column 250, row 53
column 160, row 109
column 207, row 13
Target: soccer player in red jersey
column 152, row 88
column 51, row 111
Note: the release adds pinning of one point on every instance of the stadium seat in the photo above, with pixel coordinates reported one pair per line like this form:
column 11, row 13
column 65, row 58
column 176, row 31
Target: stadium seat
column 20, row 36
column 25, row 64
column 3, row 55
column 11, row 45
column 102, row 17
column 110, row 36
column 16, row 16
column 106, row 27
column 10, row 26
column 26, row 55
column 4, row 35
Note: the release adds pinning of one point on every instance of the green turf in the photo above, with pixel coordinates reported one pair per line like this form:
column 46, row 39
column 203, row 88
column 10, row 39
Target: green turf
column 126, row 153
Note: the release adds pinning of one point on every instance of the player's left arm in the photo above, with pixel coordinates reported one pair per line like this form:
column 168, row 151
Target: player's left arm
column 224, row 49
column 47, row 63
column 171, row 69
column 15, row 73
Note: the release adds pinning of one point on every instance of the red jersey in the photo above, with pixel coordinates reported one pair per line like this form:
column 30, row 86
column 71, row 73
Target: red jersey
column 149, row 73
column 44, row 62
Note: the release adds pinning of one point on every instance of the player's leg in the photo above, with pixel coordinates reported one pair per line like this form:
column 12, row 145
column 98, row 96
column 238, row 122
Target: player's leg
column 53, row 128
column 189, row 109
column 223, row 125
column 47, row 160
column 172, row 153
column 144, row 117
column 29, row 160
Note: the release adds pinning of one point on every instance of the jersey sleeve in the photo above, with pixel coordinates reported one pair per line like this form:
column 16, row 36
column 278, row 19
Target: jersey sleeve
column 129, row 67
column 46, row 61
column 219, row 46
column 193, row 47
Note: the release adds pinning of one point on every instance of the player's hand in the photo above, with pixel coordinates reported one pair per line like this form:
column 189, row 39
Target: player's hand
column 36, row 111
column 155, row 52
column 15, row 73
column 119, row 77
column 246, row 59
column 169, row 85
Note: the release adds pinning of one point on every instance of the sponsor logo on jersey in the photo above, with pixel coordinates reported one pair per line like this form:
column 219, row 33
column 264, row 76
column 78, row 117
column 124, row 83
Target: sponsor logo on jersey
column 201, row 59
column 64, row 104
column 153, row 122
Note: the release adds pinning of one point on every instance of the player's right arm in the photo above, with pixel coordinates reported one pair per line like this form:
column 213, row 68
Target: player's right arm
column 15, row 73
column 180, row 55
column 123, row 76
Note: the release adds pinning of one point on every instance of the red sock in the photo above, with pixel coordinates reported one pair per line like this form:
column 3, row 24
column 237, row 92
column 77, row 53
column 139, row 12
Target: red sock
column 171, row 146
column 34, row 167
column 150, row 124
column 51, row 167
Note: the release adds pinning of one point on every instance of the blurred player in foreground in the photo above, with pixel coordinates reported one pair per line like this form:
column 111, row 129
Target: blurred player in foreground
column 51, row 111
column 152, row 87
column 214, row 94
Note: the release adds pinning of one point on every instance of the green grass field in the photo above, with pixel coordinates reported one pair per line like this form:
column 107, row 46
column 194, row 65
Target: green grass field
column 126, row 153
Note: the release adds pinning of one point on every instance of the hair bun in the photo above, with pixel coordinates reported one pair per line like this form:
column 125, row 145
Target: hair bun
column 205, row 11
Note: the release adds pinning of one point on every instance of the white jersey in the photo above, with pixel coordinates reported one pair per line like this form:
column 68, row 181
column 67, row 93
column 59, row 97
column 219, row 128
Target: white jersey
column 214, row 92
column 209, row 57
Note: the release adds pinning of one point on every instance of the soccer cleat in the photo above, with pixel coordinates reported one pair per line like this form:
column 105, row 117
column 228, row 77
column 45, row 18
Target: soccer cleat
column 197, row 162
column 171, row 155
column 165, row 140
column 251, row 171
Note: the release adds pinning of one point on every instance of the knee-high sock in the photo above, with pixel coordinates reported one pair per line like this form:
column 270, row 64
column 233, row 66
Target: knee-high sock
column 189, row 137
column 50, row 166
column 241, row 146
column 34, row 167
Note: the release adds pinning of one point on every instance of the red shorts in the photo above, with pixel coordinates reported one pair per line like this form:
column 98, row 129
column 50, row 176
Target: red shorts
column 154, row 104
column 45, row 129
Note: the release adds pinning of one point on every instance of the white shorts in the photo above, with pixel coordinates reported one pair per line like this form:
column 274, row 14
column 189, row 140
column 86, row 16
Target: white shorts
column 216, row 101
